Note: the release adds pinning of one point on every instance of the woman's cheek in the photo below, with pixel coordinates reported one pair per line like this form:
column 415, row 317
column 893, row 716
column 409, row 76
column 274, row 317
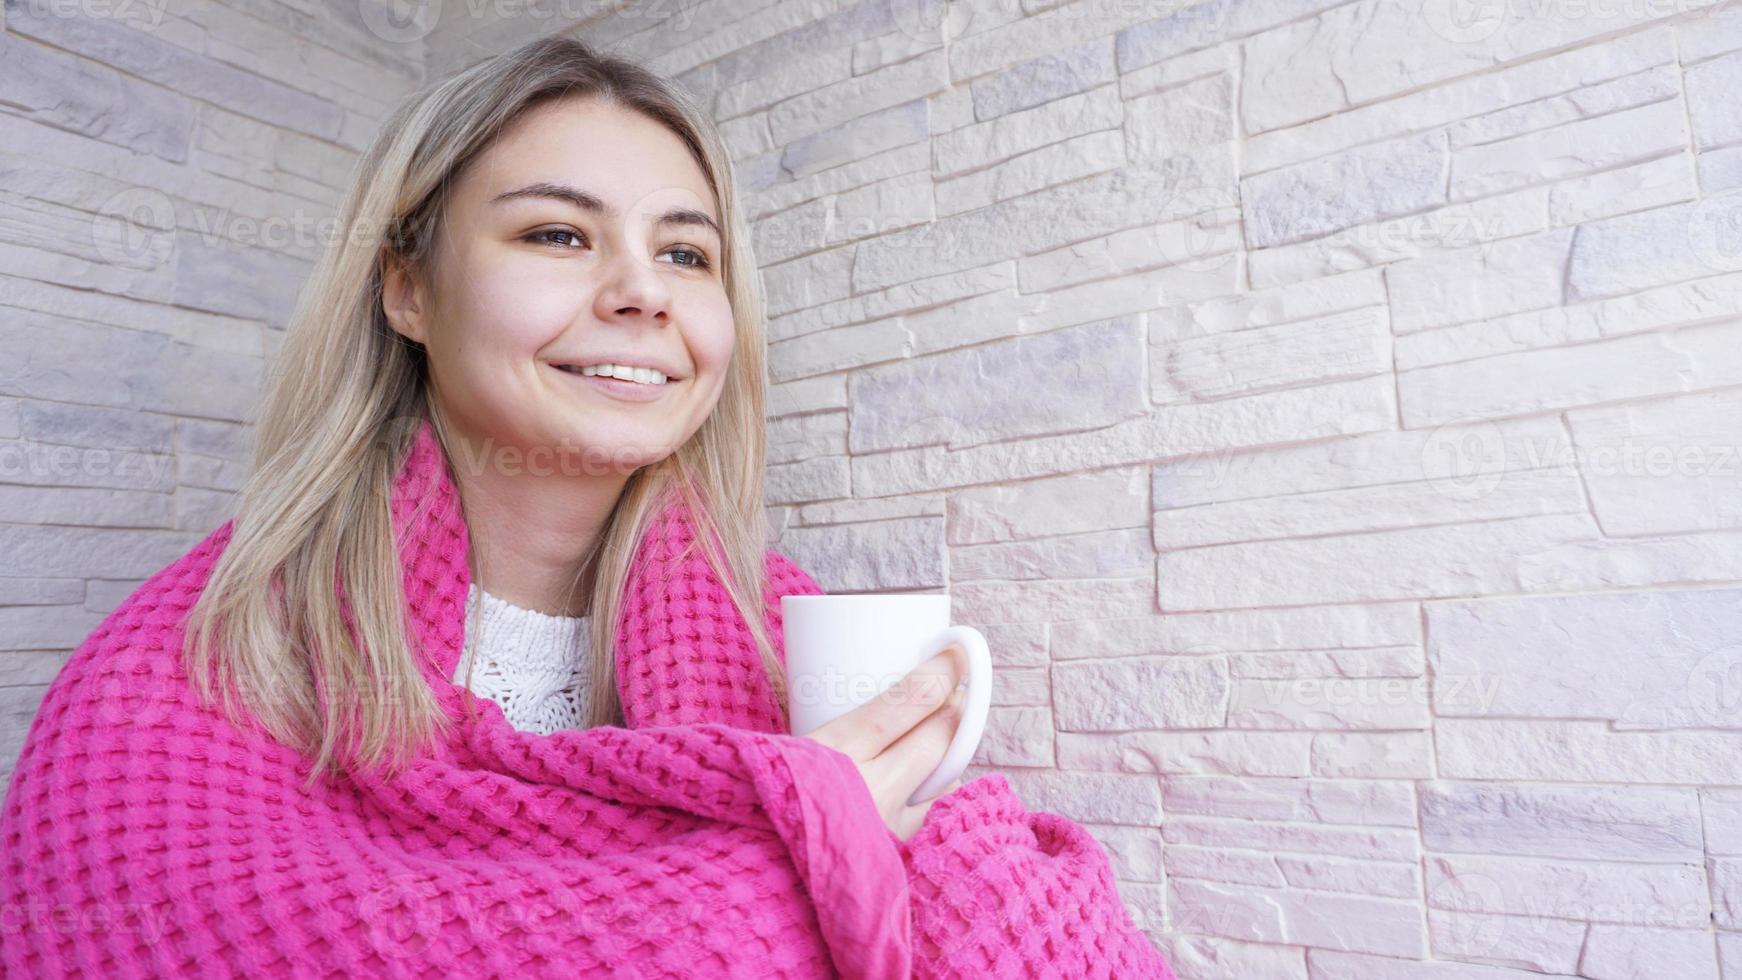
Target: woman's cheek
column 719, row 335
column 525, row 311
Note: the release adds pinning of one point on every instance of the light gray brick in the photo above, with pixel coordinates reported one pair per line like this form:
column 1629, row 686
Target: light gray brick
column 140, row 53
column 1044, row 79
column 997, row 391
column 884, row 129
column 1352, row 188
column 70, row 93
column 873, row 556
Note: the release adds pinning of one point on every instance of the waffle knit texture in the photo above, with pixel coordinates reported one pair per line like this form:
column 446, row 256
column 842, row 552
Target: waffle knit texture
column 530, row 663
column 143, row 835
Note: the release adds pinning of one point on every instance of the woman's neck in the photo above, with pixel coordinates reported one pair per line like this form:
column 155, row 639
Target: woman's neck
column 533, row 534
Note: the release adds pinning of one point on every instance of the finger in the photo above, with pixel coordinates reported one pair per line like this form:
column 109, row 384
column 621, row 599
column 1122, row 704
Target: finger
column 894, row 712
column 916, row 755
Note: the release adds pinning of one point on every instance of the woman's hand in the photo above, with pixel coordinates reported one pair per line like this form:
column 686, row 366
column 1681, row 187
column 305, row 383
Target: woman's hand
column 899, row 737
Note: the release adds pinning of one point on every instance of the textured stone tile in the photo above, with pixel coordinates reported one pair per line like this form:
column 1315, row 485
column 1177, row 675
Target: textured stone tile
column 1140, row 693
column 1643, row 660
column 1044, row 79
column 1063, row 380
column 1351, row 188
column 1599, row 823
column 1663, row 467
column 55, row 88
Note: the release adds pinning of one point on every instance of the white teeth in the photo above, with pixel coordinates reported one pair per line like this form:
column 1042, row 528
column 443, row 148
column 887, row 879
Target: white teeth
column 623, row 372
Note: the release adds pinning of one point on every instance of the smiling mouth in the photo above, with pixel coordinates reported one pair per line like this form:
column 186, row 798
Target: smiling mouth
column 618, row 388
column 573, row 369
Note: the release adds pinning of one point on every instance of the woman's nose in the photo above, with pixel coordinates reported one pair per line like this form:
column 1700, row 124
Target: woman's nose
column 633, row 285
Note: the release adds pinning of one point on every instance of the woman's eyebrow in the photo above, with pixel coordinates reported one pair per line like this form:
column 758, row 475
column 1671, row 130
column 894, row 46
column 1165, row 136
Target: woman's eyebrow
column 591, row 202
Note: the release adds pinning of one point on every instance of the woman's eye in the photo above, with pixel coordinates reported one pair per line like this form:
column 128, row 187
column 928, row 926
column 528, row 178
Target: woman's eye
column 699, row 259
column 569, row 238
column 544, row 235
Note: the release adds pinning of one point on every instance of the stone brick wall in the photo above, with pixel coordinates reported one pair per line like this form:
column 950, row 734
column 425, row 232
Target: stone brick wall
column 1331, row 412
column 168, row 174
column 1328, row 409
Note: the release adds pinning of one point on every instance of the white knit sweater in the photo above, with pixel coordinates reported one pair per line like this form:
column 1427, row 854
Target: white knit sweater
column 532, row 664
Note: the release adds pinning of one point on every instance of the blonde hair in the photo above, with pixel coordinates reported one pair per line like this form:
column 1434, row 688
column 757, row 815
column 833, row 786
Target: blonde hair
column 346, row 394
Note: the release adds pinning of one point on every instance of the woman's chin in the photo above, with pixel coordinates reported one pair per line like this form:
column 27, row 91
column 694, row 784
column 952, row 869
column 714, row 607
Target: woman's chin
column 620, row 452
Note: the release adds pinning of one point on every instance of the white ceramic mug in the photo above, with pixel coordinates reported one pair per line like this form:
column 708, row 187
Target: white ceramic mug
column 844, row 650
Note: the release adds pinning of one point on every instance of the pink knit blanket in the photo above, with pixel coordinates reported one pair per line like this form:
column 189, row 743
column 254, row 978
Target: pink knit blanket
column 144, row 836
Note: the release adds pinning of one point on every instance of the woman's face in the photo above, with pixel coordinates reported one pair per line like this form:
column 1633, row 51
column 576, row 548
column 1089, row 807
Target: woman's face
column 586, row 234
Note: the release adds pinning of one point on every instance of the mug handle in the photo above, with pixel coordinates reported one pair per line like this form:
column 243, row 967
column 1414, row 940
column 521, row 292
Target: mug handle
column 974, row 708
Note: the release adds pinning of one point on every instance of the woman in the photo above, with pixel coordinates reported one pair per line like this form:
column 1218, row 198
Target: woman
column 517, row 424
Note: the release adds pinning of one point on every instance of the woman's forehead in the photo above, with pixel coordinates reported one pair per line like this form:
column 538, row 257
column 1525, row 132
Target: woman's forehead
column 624, row 161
